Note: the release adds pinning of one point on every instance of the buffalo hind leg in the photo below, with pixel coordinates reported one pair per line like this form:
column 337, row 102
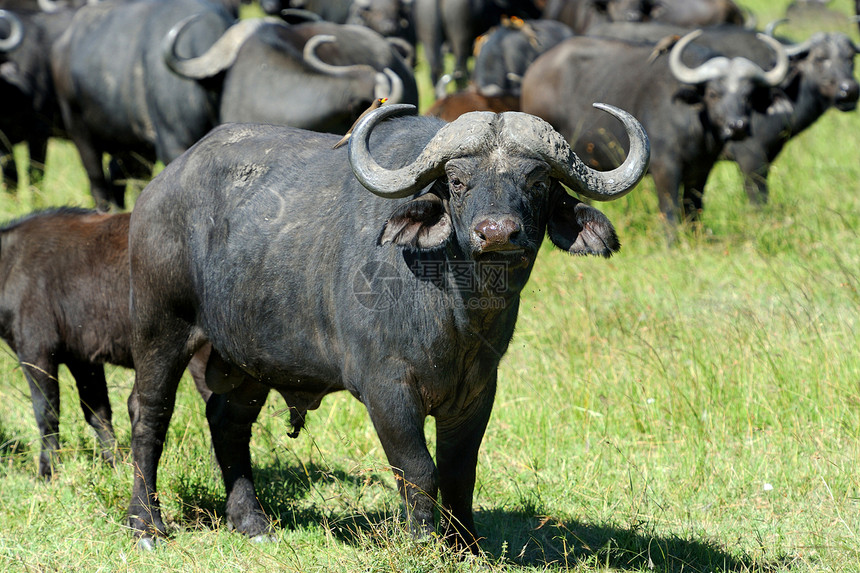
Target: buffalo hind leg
column 397, row 415
column 457, row 443
column 159, row 364
column 41, row 374
column 93, row 392
column 231, row 416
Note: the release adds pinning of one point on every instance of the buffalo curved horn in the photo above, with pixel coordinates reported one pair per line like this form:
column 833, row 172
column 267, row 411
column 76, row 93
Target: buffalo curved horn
column 706, row 72
column 218, row 57
column 533, row 134
column 473, row 132
column 770, row 29
column 801, row 49
column 466, row 135
column 296, row 15
column 775, row 75
column 404, row 48
column 322, row 67
column 717, row 66
column 16, row 31
column 389, row 86
column 51, row 6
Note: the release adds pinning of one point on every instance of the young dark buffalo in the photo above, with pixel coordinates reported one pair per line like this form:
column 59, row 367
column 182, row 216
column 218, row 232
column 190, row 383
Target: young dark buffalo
column 64, row 292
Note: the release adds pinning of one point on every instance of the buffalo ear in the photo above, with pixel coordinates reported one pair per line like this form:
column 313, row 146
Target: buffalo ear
column 690, row 95
column 422, row 223
column 11, row 74
column 581, row 229
column 600, row 6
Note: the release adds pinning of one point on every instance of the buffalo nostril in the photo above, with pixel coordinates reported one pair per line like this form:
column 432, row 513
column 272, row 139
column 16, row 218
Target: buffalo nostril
column 496, row 234
column 737, row 129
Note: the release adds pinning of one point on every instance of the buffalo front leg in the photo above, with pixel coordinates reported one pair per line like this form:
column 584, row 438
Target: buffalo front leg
column 38, row 147
column 458, row 440
column 231, row 416
column 91, row 158
column 667, row 181
column 41, row 374
column 397, row 415
column 755, row 166
column 92, row 389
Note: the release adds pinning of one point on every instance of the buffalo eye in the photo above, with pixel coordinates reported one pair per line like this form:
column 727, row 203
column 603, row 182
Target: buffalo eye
column 540, row 186
column 537, row 181
column 456, row 184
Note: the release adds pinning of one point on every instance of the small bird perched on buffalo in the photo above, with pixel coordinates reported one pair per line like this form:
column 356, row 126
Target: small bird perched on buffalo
column 663, row 46
column 376, row 103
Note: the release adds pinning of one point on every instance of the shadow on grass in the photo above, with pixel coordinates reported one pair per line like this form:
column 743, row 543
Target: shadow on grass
column 283, row 490
column 514, row 537
column 527, row 540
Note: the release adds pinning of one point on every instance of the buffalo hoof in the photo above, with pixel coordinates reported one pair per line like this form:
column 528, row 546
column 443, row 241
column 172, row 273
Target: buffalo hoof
column 254, row 526
column 149, row 543
column 264, row 538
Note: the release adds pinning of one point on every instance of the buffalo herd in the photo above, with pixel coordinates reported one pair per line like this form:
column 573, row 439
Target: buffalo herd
column 240, row 259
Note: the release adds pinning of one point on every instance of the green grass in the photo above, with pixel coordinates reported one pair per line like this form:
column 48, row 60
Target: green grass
column 693, row 408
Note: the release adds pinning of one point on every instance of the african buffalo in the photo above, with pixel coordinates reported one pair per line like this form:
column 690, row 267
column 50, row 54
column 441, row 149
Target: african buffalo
column 688, row 112
column 118, row 97
column 64, row 300
column 696, row 13
column 40, row 5
column 457, row 23
column 317, row 75
column 389, row 18
column 454, row 105
column 508, row 50
column 395, row 276
column 31, row 113
column 580, row 15
column 821, row 76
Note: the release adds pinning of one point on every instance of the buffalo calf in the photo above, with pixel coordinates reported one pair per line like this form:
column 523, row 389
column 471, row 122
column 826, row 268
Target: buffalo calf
column 64, row 300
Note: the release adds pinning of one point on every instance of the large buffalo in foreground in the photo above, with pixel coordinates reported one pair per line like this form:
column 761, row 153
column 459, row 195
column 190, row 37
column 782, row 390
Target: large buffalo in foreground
column 688, row 112
column 391, row 269
column 64, row 300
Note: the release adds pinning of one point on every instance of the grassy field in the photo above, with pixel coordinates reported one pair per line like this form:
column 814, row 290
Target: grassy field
column 693, row 408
